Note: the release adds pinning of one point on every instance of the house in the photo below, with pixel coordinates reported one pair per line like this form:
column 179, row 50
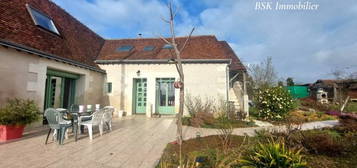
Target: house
column 49, row 56
column 142, row 77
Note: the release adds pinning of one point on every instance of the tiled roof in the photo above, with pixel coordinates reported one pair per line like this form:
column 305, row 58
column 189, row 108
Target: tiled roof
column 198, row 47
column 76, row 42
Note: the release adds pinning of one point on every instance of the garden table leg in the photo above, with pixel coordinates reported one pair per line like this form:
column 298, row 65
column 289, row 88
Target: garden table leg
column 75, row 125
column 63, row 131
column 58, row 133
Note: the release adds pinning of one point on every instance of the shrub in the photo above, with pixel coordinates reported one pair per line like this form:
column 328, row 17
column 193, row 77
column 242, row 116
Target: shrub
column 226, row 109
column 325, row 142
column 196, row 105
column 274, row 103
column 348, row 123
column 273, row 154
column 19, row 112
column 333, row 113
column 312, row 103
column 202, row 118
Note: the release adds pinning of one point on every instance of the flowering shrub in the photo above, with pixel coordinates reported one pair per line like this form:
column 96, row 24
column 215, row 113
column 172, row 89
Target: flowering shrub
column 274, row 103
column 334, row 113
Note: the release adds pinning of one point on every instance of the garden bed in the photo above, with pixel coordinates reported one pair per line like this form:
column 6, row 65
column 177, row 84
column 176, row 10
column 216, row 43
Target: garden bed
column 299, row 117
column 215, row 123
column 324, row 148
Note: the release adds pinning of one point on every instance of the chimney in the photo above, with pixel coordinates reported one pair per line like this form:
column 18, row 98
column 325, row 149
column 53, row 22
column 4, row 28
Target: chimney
column 140, row 36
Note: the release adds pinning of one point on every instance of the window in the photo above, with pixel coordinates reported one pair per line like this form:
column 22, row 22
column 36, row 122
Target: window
column 167, row 46
column 109, row 87
column 42, row 20
column 125, row 48
column 149, row 48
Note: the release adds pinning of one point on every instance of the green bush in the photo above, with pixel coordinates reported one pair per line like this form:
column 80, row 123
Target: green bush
column 274, row 103
column 273, row 155
column 19, row 112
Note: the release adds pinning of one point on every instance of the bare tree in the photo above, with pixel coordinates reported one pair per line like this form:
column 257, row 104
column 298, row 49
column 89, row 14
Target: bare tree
column 343, row 74
column 178, row 63
column 263, row 74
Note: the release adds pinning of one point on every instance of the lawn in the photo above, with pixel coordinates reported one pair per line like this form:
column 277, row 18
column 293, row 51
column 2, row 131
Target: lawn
column 351, row 107
column 323, row 148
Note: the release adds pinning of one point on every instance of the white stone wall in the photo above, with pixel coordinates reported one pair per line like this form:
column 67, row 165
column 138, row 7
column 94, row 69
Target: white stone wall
column 24, row 76
column 204, row 80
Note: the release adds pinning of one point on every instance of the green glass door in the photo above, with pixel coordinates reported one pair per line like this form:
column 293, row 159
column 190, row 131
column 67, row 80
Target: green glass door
column 140, row 86
column 165, row 95
column 60, row 90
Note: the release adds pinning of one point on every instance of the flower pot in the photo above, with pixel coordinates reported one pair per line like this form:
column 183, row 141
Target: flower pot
column 8, row 132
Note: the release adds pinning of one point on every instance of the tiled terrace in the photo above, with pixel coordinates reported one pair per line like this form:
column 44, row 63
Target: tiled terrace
column 135, row 142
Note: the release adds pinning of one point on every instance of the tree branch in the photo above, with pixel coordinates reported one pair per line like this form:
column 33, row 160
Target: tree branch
column 188, row 38
column 163, row 39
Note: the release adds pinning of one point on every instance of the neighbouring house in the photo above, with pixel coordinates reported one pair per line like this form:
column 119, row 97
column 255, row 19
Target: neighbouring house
column 49, row 56
column 337, row 90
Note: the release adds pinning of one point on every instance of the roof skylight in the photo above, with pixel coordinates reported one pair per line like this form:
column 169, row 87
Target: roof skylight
column 125, row 48
column 167, row 46
column 149, row 48
column 42, row 20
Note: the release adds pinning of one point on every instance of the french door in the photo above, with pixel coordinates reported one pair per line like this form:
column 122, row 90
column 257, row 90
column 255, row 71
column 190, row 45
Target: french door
column 140, row 91
column 165, row 95
column 60, row 89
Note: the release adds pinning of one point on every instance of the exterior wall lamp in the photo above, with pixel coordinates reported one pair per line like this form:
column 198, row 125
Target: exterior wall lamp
column 172, row 61
column 138, row 73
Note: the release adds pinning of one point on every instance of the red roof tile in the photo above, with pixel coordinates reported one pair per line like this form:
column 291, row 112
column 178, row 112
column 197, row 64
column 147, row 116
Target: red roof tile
column 198, row 47
column 76, row 42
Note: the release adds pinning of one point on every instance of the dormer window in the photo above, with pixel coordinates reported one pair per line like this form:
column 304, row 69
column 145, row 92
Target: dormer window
column 125, row 48
column 167, row 46
column 42, row 20
column 149, row 48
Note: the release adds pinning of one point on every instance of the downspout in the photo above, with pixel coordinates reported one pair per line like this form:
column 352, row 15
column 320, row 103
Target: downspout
column 245, row 96
column 227, row 86
column 227, row 80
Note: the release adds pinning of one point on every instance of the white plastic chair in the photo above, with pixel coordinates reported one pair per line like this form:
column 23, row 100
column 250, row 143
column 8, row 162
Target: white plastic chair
column 62, row 110
column 81, row 108
column 97, row 106
column 89, row 107
column 84, row 117
column 97, row 120
column 108, row 116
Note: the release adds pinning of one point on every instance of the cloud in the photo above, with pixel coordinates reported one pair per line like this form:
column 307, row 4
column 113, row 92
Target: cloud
column 305, row 45
column 118, row 19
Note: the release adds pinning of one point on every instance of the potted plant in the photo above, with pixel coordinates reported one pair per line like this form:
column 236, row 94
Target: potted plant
column 14, row 116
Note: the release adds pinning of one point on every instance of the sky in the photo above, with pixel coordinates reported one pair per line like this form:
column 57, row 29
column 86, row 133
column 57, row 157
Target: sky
column 304, row 44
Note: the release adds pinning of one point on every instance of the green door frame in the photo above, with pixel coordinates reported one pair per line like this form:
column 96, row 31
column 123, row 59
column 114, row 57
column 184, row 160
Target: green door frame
column 139, row 97
column 65, row 76
column 167, row 108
